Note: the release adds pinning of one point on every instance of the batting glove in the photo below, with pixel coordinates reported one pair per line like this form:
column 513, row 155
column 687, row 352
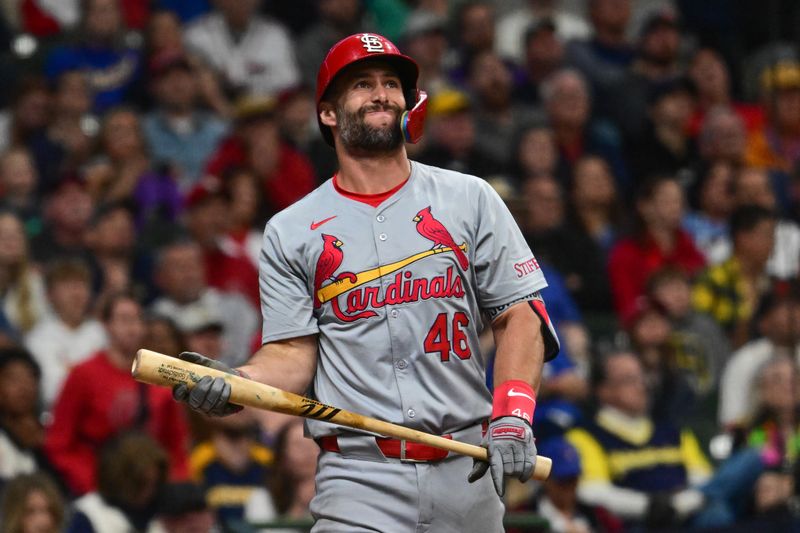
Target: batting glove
column 512, row 452
column 209, row 395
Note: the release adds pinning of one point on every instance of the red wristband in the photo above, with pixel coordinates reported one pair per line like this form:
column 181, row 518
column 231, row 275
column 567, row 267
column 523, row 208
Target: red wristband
column 514, row 398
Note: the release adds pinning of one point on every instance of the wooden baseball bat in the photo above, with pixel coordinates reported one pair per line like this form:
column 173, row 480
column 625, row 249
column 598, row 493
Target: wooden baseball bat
column 159, row 369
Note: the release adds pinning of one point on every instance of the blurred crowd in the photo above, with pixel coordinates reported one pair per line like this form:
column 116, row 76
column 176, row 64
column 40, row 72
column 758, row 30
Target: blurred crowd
column 648, row 149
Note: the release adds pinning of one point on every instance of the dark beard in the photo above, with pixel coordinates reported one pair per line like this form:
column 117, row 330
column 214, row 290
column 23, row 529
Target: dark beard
column 359, row 137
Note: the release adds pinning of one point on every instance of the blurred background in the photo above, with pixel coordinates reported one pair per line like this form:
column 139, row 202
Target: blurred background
column 648, row 150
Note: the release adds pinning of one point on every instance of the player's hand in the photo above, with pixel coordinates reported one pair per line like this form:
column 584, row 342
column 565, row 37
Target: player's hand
column 512, row 452
column 209, row 395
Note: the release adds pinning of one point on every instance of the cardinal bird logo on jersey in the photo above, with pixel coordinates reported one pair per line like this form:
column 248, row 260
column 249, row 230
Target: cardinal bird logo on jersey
column 329, row 260
column 359, row 295
column 432, row 229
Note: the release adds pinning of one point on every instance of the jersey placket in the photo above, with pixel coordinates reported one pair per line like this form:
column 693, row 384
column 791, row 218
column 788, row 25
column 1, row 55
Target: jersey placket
column 394, row 315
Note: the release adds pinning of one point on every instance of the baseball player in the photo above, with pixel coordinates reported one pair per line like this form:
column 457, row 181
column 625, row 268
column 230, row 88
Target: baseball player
column 374, row 289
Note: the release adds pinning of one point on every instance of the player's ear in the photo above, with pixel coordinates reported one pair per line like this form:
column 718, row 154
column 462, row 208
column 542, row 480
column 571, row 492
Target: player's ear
column 327, row 114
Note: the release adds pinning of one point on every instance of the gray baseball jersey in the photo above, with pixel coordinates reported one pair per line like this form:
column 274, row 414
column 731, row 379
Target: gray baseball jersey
column 397, row 294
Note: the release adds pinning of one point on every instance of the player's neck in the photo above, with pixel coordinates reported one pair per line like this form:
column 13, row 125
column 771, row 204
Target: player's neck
column 372, row 175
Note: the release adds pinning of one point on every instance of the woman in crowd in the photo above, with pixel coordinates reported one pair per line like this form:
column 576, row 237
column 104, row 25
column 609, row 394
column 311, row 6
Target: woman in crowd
column 657, row 241
column 22, row 290
column 774, row 426
column 593, row 219
column 712, row 202
column 31, row 504
column 534, row 152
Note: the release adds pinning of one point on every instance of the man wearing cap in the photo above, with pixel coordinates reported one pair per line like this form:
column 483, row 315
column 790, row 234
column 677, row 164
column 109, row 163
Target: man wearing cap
column 452, row 143
column 181, row 277
column 374, row 289
column 285, row 174
column 544, row 55
column 558, row 502
column 776, row 145
column 203, row 329
column 425, row 38
column 511, row 28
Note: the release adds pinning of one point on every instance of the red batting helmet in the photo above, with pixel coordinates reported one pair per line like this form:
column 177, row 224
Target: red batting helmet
column 363, row 46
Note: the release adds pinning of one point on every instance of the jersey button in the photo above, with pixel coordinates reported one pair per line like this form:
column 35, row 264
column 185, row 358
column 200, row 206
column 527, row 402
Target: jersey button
column 382, row 236
column 380, row 218
column 411, row 413
column 401, row 364
column 394, row 313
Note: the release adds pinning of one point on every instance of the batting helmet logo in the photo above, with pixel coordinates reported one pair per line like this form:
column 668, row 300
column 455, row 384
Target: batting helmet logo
column 372, row 43
column 363, row 46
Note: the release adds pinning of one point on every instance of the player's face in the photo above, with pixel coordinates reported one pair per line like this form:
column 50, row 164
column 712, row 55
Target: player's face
column 369, row 108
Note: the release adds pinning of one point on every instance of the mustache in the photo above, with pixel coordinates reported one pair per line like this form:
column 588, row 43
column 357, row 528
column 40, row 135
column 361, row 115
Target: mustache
column 379, row 107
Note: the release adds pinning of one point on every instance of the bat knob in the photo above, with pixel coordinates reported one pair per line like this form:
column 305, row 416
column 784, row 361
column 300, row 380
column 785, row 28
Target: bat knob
column 541, row 470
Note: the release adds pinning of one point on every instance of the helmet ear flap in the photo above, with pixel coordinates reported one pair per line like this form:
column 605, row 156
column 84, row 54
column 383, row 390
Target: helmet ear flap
column 412, row 122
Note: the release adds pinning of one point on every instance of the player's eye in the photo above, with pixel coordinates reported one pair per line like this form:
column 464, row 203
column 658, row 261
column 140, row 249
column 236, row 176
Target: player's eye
column 392, row 84
column 362, row 84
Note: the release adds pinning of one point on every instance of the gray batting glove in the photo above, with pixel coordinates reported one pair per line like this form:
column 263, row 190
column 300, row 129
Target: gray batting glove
column 512, row 452
column 209, row 395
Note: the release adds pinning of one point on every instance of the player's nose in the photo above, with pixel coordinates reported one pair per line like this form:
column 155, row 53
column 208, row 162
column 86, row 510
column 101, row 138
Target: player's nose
column 379, row 94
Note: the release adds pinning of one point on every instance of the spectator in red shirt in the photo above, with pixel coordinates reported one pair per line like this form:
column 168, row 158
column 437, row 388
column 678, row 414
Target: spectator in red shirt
column 101, row 400
column 245, row 213
column 210, row 215
column 658, row 241
column 711, row 78
column 285, row 174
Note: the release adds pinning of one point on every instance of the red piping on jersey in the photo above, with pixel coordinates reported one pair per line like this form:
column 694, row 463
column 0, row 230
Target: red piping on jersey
column 370, row 199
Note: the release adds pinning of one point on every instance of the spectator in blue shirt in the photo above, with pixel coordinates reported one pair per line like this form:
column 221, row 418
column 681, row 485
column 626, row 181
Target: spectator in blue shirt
column 179, row 134
column 111, row 67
